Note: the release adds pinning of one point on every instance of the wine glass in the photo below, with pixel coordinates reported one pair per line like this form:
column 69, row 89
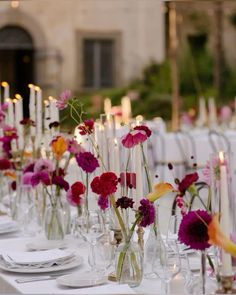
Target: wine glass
column 167, row 264
column 92, row 230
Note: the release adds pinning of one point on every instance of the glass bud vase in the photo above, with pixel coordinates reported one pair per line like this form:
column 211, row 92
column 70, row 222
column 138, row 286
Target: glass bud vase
column 54, row 223
column 151, row 249
column 129, row 264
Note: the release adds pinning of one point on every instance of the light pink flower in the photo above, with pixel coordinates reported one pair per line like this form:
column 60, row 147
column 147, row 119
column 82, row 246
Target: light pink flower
column 43, row 165
column 225, row 114
column 63, row 99
column 26, row 179
column 133, row 138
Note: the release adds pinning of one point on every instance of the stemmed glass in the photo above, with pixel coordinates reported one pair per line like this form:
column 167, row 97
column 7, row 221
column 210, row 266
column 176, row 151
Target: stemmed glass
column 92, row 230
column 167, row 264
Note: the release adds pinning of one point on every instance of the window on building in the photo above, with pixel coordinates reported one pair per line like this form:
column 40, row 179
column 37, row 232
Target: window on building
column 98, row 63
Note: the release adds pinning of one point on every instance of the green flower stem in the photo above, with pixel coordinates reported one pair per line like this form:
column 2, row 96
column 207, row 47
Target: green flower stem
column 124, row 252
column 117, row 212
column 68, row 162
column 146, row 170
column 86, row 195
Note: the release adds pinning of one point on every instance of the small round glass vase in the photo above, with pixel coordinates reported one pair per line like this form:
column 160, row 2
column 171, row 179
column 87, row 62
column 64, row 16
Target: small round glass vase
column 54, row 223
column 129, row 264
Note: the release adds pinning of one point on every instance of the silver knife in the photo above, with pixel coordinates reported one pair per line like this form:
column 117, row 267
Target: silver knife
column 36, row 279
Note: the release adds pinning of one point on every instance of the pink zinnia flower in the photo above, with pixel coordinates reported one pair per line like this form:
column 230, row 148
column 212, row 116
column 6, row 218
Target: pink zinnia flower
column 63, row 99
column 193, row 230
column 133, row 138
column 27, row 177
column 73, row 147
column 4, row 106
column 43, row 165
column 145, row 129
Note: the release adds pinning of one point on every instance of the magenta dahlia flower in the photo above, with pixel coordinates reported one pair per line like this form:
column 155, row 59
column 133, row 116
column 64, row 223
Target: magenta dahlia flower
column 87, row 162
column 193, row 231
column 103, row 202
column 147, row 211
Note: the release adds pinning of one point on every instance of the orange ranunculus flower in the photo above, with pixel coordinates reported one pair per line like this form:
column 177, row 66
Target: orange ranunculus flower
column 218, row 238
column 59, row 147
column 10, row 174
column 160, row 190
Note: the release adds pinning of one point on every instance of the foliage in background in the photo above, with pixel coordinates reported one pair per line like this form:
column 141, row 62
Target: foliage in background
column 154, row 87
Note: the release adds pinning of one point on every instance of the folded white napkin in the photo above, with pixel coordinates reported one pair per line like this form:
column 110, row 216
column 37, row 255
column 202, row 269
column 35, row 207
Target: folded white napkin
column 36, row 257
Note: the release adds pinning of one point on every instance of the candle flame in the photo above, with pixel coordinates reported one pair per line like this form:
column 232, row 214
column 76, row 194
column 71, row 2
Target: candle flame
column 8, row 100
column 50, row 98
column 14, row 100
column 4, row 84
column 115, row 141
column 18, row 96
column 221, row 157
column 31, row 86
column 37, row 88
column 46, row 102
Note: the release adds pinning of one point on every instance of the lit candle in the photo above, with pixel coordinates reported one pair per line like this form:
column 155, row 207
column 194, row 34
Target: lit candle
column 6, row 91
column 10, row 112
column 126, row 109
column 107, row 106
column 212, row 112
column 46, row 115
column 18, row 118
column 225, row 215
column 32, row 108
column 39, row 115
column 115, row 157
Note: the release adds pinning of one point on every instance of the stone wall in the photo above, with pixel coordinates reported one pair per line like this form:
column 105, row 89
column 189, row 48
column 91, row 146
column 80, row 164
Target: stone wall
column 55, row 27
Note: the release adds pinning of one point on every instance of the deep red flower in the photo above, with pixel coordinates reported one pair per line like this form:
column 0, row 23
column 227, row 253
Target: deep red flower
column 60, row 181
column 187, row 181
column 74, row 194
column 145, row 129
column 87, row 127
column 27, row 122
column 5, row 164
column 29, row 167
column 105, row 185
column 124, row 203
column 133, row 138
column 87, row 162
column 95, row 185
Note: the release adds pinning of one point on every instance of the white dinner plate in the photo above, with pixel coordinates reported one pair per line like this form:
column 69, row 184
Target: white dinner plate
column 9, row 230
column 81, row 280
column 74, row 263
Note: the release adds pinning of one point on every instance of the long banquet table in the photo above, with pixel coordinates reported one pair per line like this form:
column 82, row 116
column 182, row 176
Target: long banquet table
column 16, row 242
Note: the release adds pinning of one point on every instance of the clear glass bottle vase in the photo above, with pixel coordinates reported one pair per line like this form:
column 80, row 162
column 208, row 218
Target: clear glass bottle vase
column 129, row 264
column 54, row 223
column 152, row 247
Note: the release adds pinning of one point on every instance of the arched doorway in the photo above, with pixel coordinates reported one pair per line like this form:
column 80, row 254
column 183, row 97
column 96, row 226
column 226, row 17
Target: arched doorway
column 17, row 61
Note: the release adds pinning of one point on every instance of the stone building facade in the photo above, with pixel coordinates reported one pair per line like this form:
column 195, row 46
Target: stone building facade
column 81, row 44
